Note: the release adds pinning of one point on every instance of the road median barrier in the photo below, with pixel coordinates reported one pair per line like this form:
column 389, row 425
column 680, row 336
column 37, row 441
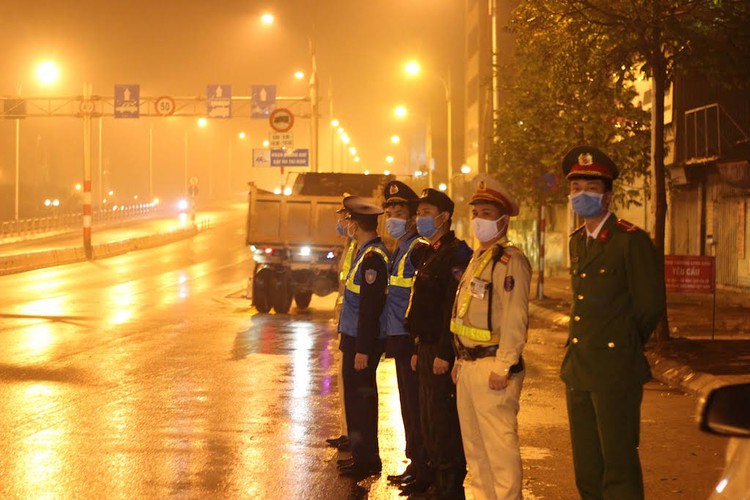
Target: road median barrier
column 11, row 264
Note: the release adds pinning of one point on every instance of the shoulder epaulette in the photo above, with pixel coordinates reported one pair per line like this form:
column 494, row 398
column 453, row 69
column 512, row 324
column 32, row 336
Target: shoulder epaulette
column 578, row 229
column 626, row 226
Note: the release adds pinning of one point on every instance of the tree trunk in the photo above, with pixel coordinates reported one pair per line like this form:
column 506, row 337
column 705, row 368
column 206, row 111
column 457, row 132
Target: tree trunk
column 659, row 193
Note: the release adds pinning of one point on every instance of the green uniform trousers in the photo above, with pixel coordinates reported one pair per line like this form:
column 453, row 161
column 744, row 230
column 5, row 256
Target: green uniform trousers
column 604, row 430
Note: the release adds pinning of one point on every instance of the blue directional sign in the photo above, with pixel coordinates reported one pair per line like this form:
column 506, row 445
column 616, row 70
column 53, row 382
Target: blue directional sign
column 290, row 158
column 262, row 100
column 127, row 101
column 219, row 101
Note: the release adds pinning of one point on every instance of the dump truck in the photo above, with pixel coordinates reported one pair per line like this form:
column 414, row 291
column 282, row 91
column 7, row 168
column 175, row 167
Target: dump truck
column 293, row 238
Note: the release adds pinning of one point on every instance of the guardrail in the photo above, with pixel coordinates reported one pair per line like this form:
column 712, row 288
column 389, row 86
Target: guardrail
column 40, row 225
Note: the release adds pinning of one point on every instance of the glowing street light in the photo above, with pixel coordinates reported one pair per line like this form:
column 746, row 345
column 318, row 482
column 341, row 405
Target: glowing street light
column 412, row 67
column 443, row 186
column 386, row 172
column 395, row 139
column 334, row 123
column 242, row 135
column 267, row 19
column 465, row 169
column 299, row 75
column 389, row 159
column 353, row 150
column 48, row 72
column 202, row 122
column 265, row 144
column 356, row 159
column 400, row 111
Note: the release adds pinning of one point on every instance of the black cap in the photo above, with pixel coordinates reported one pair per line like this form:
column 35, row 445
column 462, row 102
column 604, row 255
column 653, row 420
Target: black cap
column 587, row 162
column 396, row 192
column 438, row 199
column 359, row 208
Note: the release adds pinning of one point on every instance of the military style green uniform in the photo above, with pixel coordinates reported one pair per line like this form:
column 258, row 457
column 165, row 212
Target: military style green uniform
column 618, row 300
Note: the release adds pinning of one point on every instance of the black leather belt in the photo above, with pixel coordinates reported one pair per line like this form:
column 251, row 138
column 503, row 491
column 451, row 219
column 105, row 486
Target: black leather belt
column 485, row 351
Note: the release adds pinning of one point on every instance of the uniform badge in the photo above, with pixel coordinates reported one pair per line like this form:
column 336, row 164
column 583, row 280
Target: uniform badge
column 481, row 186
column 394, row 189
column 603, row 235
column 457, row 272
column 585, row 159
column 509, row 283
column 370, row 276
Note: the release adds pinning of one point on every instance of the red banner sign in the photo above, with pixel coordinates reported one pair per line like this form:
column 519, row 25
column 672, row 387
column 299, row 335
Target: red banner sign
column 689, row 274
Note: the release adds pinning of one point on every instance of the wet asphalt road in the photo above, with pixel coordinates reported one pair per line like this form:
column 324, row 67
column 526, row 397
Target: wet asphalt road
column 149, row 376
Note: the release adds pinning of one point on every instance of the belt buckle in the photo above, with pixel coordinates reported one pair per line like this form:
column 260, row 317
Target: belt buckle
column 466, row 355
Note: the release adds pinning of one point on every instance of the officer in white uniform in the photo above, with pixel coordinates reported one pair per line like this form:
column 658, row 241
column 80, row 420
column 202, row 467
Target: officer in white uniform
column 489, row 323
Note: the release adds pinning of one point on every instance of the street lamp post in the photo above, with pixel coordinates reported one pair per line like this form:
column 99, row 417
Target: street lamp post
column 413, row 68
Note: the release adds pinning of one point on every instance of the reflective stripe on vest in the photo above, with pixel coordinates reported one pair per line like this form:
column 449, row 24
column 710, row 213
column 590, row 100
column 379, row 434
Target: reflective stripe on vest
column 347, row 261
column 457, row 326
column 398, row 279
column 350, row 285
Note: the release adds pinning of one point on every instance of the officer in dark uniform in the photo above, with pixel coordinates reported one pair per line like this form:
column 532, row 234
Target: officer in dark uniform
column 618, row 299
column 428, row 321
column 401, row 210
column 361, row 339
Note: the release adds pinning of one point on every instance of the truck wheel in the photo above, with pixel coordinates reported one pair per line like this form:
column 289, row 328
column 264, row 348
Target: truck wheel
column 302, row 299
column 261, row 287
column 281, row 293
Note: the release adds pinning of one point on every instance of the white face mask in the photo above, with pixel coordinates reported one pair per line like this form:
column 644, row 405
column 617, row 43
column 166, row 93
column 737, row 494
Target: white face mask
column 486, row 230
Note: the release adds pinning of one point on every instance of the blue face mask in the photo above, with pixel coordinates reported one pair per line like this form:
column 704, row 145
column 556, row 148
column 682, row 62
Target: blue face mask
column 340, row 229
column 395, row 227
column 586, row 204
column 426, row 226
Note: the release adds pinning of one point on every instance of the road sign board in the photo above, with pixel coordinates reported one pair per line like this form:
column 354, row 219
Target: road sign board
column 281, row 120
column 164, row 106
column 262, row 100
column 127, row 101
column 689, row 274
column 219, row 101
column 261, row 157
column 290, row 158
column 279, row 140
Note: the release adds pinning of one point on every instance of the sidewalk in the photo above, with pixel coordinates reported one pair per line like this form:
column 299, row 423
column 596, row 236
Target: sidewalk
column 690, row 360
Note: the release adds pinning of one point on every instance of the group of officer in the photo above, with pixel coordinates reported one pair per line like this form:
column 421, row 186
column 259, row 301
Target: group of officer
column 455, row 321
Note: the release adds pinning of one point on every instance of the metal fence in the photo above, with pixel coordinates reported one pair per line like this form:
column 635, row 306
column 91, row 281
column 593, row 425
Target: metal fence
column 41, row 225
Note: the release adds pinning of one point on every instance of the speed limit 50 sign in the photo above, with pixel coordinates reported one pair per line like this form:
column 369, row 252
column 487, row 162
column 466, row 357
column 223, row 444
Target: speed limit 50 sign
column 165, row 105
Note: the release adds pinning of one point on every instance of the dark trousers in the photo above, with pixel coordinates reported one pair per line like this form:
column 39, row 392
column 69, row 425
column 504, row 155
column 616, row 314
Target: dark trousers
column 361, row 405
column 604, row 431
column 439, row 416
column 408, row 392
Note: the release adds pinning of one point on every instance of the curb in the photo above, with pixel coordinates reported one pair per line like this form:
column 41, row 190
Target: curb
column 666, row 370
column 20, row 263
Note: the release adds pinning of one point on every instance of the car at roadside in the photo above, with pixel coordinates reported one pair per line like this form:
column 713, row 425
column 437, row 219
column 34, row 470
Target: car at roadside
column 726, row 411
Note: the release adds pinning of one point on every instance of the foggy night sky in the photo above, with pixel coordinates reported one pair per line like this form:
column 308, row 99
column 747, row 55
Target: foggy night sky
column 176, row 48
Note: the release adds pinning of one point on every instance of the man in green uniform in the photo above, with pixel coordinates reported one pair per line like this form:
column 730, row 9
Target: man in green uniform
column 618, row 299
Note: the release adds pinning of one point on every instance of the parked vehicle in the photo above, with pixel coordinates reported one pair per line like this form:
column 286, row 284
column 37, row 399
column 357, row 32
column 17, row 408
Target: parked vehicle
column 726, row 411
column 293, row 237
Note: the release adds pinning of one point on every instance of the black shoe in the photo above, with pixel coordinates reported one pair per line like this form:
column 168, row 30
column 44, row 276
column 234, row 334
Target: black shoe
column 336, row 442
column 360, row 471
column 429, row 494
column 417, row 486
column 344, row 462
column 401, row 478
